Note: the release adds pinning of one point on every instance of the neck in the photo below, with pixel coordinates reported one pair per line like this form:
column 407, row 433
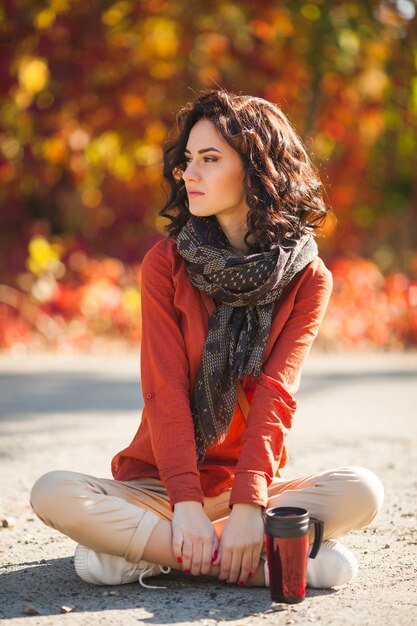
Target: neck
column 235, row 233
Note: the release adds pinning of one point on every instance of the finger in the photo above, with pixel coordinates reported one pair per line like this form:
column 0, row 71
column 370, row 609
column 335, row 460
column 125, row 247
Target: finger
column 196, row 559
column 187, row 553
column 235, row 566
column 207, row 555
column 256, row 557
column 225, row 559
column 177, row 543
column 245, row 566
column 217, row 557
column 215, row 550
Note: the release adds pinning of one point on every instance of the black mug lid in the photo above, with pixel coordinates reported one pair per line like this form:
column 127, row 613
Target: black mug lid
column 288, row 521
column 285, row 511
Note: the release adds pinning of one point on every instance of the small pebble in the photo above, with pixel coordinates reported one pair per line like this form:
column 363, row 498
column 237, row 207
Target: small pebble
column 111, row 593
column 8, row 522
column 66, row 609
column 29, row 609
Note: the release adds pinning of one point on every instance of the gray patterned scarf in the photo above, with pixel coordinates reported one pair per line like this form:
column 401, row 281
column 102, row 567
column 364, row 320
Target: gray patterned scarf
column 247, row 288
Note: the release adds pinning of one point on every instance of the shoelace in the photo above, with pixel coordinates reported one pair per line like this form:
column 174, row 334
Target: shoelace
column 149, row 569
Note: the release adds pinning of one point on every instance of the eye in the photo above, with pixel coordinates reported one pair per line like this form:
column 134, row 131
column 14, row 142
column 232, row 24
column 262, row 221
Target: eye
column 207, row 159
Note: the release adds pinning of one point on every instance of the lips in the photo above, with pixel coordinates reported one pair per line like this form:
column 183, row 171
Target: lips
column 195, row 193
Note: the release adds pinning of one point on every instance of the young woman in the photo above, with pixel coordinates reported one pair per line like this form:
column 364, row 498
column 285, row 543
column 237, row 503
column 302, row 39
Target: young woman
column 232, row 299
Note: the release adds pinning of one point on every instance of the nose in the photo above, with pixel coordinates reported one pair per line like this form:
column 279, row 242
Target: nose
column 190, row 173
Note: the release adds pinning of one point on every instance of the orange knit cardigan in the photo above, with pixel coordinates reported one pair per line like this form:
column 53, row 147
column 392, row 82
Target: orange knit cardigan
column 174, row 329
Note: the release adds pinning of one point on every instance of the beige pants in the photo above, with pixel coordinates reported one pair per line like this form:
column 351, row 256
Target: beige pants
column 118, row 517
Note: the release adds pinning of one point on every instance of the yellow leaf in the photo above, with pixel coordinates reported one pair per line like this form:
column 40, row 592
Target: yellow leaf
column 310, row 12
column 43, row 256
column 131, row 300
column 147, row 154
column 323, row 145
column 60, row 6
column 162, row 70
column 373, row 82
column 122, row 167
column 45, row 18
column 160, row 37
column 33, row 73
column 116, row 13
column 54, row 150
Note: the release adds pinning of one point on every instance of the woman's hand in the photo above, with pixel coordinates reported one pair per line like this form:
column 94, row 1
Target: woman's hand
column 194, row 541
column 241, row 543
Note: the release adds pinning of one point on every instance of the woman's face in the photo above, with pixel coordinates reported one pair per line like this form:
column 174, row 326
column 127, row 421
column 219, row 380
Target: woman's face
column 215, row 170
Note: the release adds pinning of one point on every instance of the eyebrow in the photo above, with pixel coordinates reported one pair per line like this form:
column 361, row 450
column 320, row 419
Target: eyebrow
column 204, row 150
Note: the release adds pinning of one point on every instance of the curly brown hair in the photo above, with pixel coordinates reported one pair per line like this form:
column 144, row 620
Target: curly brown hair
column 283, row 190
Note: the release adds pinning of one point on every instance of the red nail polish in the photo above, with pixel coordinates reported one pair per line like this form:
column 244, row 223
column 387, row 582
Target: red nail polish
column 186, row 571
column 241, row 583
column 250, row 575
column 179, row 559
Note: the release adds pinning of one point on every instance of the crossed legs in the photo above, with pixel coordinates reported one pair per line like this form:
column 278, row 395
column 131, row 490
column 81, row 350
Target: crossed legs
column 132, row 519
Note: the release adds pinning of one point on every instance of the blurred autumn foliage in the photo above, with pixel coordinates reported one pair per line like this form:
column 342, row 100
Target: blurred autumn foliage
column 89, row 94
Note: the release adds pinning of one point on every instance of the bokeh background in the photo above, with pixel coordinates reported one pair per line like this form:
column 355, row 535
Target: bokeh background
column 89, row 94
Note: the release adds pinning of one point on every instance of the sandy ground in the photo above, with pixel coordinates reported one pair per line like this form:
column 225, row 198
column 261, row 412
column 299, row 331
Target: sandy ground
column 75, row 412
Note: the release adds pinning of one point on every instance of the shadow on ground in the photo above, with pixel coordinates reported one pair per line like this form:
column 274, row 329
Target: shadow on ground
column 48, row 585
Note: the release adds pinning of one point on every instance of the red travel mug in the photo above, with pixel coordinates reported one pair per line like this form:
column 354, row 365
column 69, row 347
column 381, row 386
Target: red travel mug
column 287, row 545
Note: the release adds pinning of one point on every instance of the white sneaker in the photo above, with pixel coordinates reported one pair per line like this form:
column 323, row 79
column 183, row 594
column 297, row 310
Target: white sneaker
column 334, row 565
column 99, row 568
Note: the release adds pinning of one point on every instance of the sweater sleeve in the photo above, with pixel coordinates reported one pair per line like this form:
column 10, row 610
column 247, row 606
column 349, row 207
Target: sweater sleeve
column 165, row 381
column 273, row 405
